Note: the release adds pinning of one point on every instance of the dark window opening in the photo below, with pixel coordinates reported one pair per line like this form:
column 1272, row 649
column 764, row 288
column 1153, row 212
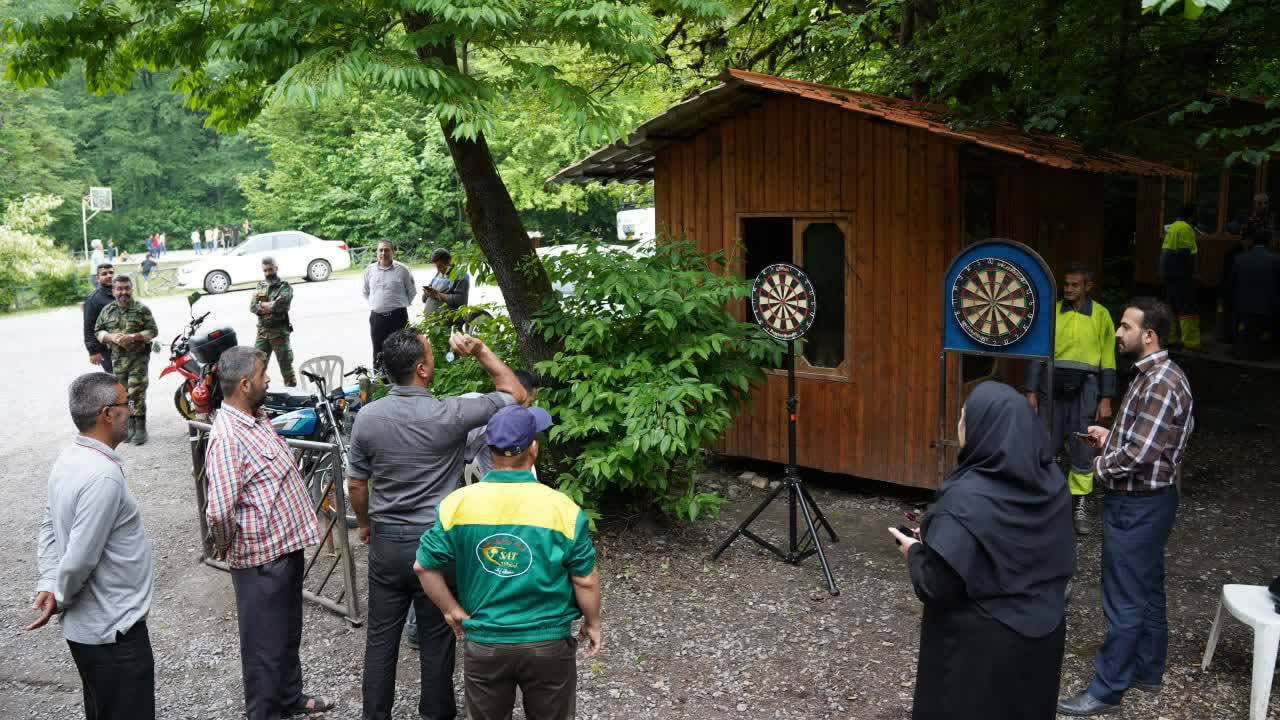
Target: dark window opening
column 979, row 208
column 1240, row 196
column 1174, row 198
column 824, row 262
column 1207, row 197
column 767, row 240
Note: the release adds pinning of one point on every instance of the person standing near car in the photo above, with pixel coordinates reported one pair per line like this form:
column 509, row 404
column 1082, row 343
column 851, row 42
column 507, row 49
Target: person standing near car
column 406, row 455
column 196, row 241
column 128, row 328
column 271, row 301
column 101, row 297
column 389, row 289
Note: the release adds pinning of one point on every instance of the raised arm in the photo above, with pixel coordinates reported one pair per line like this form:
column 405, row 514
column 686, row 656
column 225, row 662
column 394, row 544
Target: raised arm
column 504, row 380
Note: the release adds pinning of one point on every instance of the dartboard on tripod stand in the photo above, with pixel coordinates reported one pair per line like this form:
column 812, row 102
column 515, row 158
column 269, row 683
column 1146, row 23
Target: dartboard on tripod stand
column 993, row 302
column 783, row 301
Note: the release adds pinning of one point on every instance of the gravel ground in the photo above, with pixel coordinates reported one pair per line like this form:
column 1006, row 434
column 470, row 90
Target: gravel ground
column 686, row 637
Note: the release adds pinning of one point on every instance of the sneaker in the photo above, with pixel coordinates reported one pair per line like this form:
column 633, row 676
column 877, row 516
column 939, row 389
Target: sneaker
column 1082, row 517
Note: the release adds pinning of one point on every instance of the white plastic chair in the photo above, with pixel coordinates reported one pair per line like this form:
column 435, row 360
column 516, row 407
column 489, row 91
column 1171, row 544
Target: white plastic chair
column 1253, row 606
column 329, row 367
column 471, row 473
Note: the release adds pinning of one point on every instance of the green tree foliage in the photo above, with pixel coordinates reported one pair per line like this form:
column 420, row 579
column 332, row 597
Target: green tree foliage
column 29, row 257
column 459, row 57
column 653, row 368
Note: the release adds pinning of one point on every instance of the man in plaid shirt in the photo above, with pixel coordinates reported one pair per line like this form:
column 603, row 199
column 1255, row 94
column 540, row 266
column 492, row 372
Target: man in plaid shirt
column 1138, row 468
column 262, row 520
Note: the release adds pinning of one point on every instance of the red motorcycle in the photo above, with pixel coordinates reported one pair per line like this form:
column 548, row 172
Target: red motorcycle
column 195, row 358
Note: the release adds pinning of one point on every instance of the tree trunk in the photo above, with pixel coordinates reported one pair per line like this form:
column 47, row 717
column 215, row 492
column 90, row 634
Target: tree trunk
column 494, row 220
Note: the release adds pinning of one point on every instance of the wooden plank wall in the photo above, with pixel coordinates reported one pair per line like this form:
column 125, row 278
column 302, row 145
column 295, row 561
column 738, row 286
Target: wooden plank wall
column 796, row 155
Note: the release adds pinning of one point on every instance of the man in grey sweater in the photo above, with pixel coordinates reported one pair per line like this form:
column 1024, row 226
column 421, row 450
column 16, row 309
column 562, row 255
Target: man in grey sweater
column 95, row 558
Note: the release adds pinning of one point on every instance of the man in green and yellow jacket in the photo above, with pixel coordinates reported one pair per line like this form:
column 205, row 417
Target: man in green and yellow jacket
column 525, row 571
column 1178, row 256
column 1084, row 379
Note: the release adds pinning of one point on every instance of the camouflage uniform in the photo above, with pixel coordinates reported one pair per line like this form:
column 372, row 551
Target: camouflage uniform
column 129, row 365
column 274, row 327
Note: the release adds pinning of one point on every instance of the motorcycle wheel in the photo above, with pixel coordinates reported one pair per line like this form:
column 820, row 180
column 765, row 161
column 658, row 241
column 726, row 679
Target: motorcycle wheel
column 184, row 408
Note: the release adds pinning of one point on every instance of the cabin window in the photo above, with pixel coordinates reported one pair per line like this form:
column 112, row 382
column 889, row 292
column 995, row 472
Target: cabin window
column 822, row 246
column 1208, row 193
column 979, row 208
column 1240, row 196
column 1175, row 196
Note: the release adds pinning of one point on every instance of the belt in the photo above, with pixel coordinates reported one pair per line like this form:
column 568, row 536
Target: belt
column 388, row 313
column 400, row 528
column 1150, row 492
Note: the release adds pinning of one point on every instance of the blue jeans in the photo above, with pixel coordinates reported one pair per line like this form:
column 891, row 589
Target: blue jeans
column 1134, row 533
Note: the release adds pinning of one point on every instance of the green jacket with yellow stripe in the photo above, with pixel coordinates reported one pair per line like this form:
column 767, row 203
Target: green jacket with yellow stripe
column 515, row 543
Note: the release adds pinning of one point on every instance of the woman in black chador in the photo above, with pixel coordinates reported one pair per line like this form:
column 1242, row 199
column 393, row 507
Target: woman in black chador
column 992, row 570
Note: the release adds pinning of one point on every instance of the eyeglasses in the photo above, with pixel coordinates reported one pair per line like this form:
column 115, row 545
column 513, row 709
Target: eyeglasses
column 128, row 404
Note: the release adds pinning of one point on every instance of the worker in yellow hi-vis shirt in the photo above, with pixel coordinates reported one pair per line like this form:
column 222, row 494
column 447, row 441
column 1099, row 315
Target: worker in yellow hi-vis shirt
column 1084, row 379
column 1178, row 269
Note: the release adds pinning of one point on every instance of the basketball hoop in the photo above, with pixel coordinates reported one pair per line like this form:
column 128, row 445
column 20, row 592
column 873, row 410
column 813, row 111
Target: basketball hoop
column 100, row 199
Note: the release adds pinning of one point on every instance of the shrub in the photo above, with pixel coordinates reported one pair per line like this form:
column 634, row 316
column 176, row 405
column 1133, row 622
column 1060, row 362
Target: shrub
column 653, row 367
column 27, row 256
column 64, row 288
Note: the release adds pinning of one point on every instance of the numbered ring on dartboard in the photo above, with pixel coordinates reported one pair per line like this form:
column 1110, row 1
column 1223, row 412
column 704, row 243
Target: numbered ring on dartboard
column 783, row 301
column 993, row 302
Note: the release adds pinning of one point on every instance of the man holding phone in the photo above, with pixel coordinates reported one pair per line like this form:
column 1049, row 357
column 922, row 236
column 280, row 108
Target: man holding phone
column 1137, row 467
column 448, row 289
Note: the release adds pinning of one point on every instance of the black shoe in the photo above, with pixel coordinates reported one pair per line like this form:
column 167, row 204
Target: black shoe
column 1153, row 688
column 1082, row 704
column 140, row 430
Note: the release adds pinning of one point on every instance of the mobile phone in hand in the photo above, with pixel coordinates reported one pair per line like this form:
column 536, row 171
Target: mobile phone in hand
column 909, row 532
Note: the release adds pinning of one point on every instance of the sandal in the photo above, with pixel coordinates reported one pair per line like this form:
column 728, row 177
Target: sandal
column 310, row 705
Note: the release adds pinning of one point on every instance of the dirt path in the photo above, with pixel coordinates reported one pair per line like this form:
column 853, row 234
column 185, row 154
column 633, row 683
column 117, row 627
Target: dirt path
column 744, row 637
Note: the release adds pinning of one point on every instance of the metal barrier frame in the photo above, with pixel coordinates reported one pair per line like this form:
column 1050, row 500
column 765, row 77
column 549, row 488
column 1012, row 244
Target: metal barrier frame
column 322, row 470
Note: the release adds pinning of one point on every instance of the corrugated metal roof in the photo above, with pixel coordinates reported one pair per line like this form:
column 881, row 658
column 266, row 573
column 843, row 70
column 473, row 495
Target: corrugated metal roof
column 631, row 160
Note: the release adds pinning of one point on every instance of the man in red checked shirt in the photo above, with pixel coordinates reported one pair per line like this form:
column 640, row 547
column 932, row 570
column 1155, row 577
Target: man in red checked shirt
column 262, row 521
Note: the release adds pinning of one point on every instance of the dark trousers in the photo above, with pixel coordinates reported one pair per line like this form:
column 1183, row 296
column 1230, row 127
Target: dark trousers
column 269, row 606
column 1134, row 533
column 393, row 586
column 380, row 326
column 1250, row 341
column 119, row 678
column 545, row 672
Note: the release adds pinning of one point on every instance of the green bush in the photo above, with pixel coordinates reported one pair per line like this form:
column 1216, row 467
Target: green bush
column 57, row 289
column 653, row 367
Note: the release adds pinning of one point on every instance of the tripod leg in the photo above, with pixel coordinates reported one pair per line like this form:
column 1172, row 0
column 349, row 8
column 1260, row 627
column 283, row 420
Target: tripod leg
column 817, row 544
column 822, row 519
column 747, row 521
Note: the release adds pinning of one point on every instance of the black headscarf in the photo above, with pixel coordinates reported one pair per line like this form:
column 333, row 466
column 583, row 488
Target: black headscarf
column 1002, row 519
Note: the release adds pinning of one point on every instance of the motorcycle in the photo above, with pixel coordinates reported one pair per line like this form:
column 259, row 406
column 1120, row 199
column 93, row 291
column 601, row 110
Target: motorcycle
column 324, row 415
column 195, row 357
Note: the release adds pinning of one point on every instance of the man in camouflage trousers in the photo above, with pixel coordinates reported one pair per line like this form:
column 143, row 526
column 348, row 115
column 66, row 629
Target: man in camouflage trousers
column 271, row 301
column 127, row 328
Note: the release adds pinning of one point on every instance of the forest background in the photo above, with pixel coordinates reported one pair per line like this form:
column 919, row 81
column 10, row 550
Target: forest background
column 371, row 162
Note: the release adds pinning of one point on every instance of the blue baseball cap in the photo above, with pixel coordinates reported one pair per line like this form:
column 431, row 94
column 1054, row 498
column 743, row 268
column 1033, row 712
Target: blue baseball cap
column 512, row 429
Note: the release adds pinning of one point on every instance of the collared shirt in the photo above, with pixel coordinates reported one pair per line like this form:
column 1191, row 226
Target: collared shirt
column 94, row 554
column 258, row 502
column 455, row 292
column 388, row 289
column 409, row 445
column 1145, row 448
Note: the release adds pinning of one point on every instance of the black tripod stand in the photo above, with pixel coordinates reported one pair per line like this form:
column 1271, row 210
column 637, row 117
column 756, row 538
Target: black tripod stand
column 797, row 496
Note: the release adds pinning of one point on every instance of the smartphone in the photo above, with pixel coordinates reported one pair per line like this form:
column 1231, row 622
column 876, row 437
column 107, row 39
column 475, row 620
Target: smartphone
column 1083, row 435
column 909, row 532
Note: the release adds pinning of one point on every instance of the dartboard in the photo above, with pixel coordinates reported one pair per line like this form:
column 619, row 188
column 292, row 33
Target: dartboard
column 993, row 302
column 783, row 301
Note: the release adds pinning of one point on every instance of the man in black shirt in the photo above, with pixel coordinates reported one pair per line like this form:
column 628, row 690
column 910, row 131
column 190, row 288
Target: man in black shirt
column 101, row 297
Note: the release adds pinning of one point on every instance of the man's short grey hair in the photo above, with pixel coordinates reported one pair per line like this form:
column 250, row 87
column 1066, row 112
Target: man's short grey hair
column 88, row 394
column 268, row 260
column 237, row 364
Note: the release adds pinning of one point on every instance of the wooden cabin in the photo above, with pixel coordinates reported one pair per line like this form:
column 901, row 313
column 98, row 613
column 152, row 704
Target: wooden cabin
column 872, row 196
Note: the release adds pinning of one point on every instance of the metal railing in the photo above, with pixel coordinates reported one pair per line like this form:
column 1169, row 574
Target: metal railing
column 322, row 471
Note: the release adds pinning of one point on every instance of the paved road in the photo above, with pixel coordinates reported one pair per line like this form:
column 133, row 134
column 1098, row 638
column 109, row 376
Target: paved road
column 41, row 353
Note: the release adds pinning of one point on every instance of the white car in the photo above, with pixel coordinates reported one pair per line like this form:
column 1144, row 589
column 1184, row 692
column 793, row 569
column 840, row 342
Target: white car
column 491, row 295
column 296, row 253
